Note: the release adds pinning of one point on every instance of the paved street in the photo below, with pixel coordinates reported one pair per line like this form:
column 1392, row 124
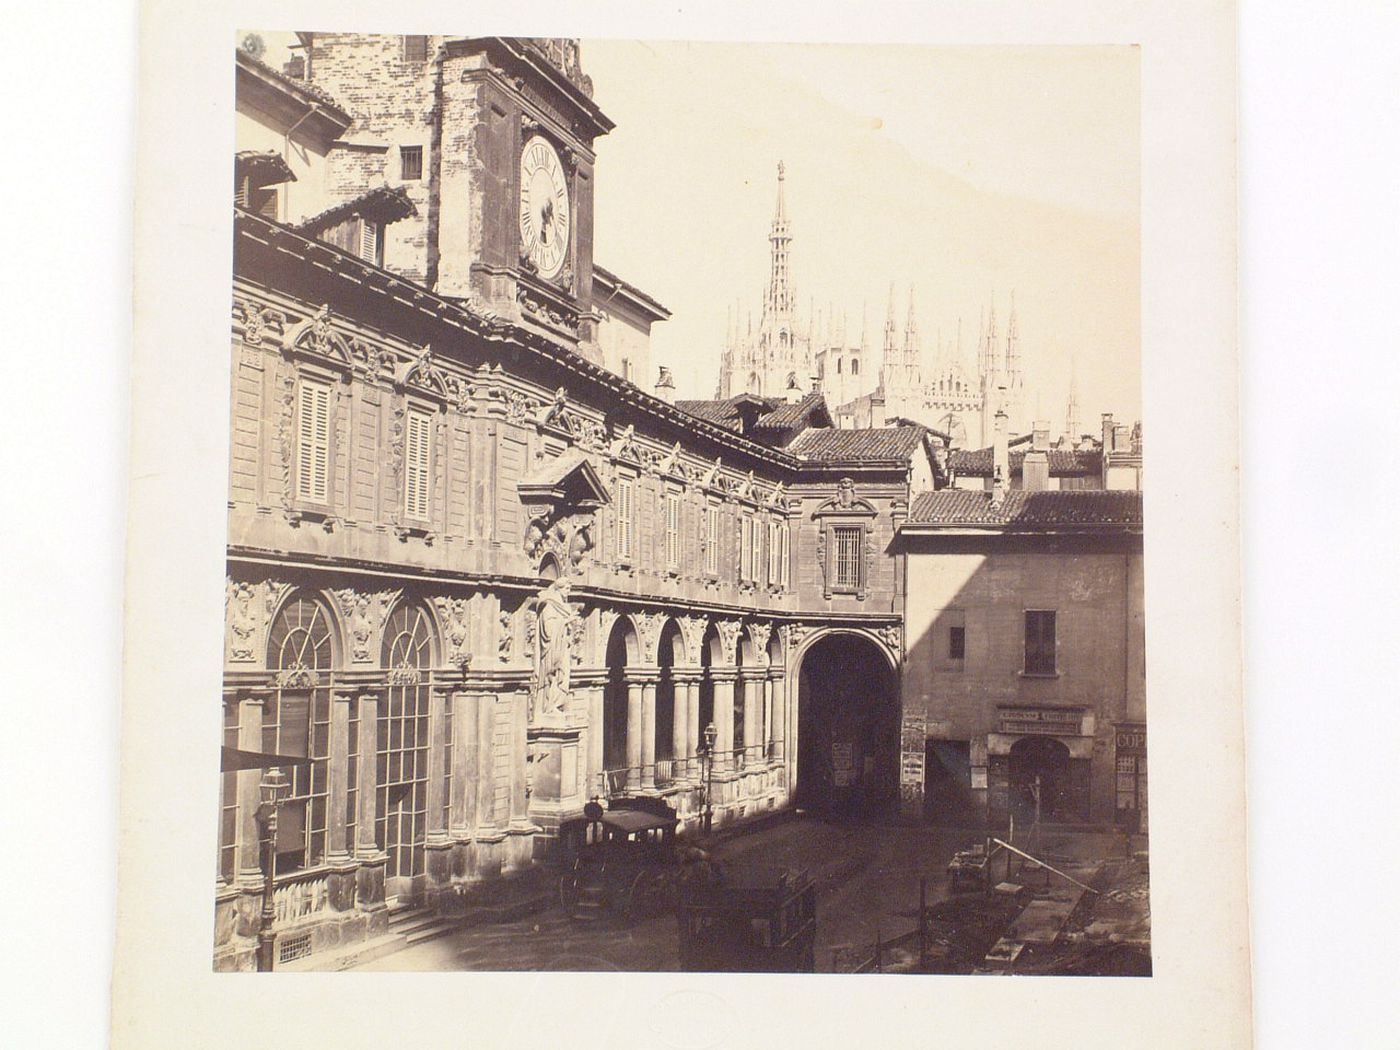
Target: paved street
column 867, row 881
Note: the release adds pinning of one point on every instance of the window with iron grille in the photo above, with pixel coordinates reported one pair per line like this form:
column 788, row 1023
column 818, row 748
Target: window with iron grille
column 846, row 556
column 712, row 539
column 410, row 163
column 1040, row 642
column 415, row 49
column 957, row 642
column 313, row 441
column 417, row 464
column 625, row 521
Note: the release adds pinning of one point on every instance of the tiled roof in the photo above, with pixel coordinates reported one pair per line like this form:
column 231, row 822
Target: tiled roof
column 831, row 443
column 721, row 412
column 1029, row 510
column 265, row 167
column 305, row 89
column 1064, row 462
column 385, row 203
column 787, row 415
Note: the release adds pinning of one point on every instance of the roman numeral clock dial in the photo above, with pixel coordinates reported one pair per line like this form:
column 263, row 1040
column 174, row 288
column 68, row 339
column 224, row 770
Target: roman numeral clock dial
column 544, row 208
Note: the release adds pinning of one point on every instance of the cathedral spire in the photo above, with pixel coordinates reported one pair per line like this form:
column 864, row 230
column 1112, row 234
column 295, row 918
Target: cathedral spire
column 1072, row 407
column 780, row 296
column 1013, row 344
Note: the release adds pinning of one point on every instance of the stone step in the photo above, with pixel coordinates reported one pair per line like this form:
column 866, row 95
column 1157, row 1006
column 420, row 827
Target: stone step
column 431, row 932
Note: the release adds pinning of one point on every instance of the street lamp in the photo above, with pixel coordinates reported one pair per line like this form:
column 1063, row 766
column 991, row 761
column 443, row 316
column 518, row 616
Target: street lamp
column 709, row 757
column 273, row 789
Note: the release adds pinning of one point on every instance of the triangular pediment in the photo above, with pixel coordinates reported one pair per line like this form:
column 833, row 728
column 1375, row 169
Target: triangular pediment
column 567, row 481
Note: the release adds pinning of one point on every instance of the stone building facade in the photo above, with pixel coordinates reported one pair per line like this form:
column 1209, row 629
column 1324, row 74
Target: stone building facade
column 476, row 577
column 1025, row 668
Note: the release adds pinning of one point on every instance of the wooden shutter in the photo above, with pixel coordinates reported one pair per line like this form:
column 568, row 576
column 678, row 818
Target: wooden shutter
column 786, row 558
column 313, row 441
column 417, row 464
column 369, row 241
column 1040, row 642
column 673, row 530
column 745, row 548
column 624, row 518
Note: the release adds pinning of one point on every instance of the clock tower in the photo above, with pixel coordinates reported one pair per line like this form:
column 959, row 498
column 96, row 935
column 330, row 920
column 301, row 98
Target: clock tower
column 516, row 125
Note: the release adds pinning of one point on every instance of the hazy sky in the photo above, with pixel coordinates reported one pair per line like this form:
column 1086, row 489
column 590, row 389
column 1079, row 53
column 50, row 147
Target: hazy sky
column 965, row 173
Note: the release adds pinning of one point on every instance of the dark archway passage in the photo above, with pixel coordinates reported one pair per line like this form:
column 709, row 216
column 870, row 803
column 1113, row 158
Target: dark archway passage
column 848, row 728
column 1063, row 782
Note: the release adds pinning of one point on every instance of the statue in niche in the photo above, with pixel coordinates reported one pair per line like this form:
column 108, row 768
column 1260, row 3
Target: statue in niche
column 552, row 647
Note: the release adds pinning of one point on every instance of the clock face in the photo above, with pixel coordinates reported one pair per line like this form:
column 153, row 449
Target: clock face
column 544, row 207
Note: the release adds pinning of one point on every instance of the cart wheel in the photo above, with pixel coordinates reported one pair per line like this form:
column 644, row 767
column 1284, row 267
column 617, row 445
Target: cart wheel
column 568, row 892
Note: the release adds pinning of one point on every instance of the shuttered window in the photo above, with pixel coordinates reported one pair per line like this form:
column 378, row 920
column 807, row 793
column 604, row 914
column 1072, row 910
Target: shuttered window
column 673, row 530
column 625, row 520
column 418, row 464
column 786, row 558
column 712, row 539
column 775, row 554
column 746, row 548
column 847, row 555
column 370, row 245
column 1040, row 642
column 313, row 441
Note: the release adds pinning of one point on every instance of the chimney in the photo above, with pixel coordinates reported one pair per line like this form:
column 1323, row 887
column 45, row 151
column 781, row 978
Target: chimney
column 1035, row 468
column 1107, row 433
column 665, row 386
column 877, row 408
column 1001, row 458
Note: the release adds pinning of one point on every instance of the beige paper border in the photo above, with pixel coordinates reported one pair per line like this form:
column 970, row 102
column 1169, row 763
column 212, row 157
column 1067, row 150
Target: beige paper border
column 165, row 993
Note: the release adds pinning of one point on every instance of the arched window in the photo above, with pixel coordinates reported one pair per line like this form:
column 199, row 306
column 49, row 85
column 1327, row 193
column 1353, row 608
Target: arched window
column 402, row 759
column 301, row 653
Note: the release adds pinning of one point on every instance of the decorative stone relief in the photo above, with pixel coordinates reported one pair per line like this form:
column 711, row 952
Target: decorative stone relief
column 425, row 374
column 553, row 658
column 318, row 336
column 648, row 633
column 729, row 638
column 455, row 614
column 693, row 634
column 460, row 391
column 258, row 321
column 893, row 636
column 505, row 640
column 364, row 616
column 760, row 633
column 286, row 440
column 795, row 634
column 245, row 618
column 821, row 559
column 606, row 618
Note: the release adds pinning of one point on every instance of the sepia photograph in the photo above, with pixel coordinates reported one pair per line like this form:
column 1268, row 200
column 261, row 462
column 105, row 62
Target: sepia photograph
column 684, row 509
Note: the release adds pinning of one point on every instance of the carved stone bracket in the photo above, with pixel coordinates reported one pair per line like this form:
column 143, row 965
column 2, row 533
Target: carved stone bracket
column 729, row 631
column 760, row 633
column 693, row 634
column 455, row 614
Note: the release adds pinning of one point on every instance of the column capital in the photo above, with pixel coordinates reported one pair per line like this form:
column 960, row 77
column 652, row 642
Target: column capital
column 724, row 674
column 641, row 675
column 687, row 674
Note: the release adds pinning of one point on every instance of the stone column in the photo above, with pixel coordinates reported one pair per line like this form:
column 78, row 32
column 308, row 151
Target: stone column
column 370, row 876
column 778, row 685
column 485, row 764
column 461, row 795
column 437, row 846
column 693, row 729
column 519, row 756
column 768, row 732
column 594, row 760
column 338, row 781
column 680, row 723
column 634, row 734
column 248, row 858
column 724, row 717
column 753, row 721
column 649, row 734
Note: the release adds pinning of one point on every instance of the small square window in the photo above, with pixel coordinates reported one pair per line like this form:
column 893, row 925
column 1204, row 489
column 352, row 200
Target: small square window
column 410, row 163
column 957, row 642
column 415, row 49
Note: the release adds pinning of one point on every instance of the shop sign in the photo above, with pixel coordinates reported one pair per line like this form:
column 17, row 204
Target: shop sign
column 1038, row 720
column 1131, row 740
column 911, row 759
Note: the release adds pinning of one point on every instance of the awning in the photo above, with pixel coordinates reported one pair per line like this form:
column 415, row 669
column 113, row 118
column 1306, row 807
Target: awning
column 231, row 758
